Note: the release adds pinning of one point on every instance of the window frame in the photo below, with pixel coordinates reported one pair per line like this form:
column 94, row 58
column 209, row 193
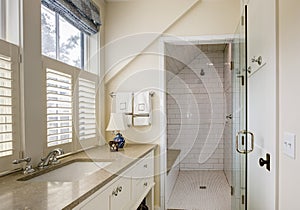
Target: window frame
column 90, row 70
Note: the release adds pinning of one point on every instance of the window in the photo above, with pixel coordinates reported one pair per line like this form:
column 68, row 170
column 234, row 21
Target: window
column 9, row 21
column 9, row 105
column 59, row 108
column 69, row 35
column 2, row 19
column 61, row 40
column 71, row 106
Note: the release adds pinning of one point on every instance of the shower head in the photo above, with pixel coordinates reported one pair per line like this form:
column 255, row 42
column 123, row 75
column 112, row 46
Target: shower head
column 202, row 73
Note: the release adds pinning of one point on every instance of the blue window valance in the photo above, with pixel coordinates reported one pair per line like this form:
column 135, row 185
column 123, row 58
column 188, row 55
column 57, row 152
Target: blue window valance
column 83, row 14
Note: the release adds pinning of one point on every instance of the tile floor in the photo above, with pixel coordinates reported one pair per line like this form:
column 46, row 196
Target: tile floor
column 188, row 195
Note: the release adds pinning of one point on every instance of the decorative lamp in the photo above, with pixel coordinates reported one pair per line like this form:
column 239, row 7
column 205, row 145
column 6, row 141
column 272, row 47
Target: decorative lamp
column 117, row 124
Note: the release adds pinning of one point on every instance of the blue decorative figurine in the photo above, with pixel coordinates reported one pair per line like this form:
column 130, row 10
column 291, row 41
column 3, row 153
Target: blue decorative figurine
column 120, row 140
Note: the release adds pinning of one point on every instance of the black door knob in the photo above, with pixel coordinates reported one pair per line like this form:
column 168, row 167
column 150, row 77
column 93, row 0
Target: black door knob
column 266, row 162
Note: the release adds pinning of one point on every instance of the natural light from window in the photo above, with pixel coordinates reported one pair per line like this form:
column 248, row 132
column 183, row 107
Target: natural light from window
column 61, row 40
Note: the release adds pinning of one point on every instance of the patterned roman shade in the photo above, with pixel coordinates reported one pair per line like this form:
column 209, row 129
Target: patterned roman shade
column 83, row 14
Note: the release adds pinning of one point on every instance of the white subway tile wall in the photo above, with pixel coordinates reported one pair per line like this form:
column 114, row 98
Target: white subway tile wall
column 196, row 107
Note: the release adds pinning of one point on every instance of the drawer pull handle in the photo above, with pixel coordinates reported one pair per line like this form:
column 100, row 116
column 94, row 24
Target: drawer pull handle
column 117, row 190
column 115, row 193
column 146, row 166
column 120, row 189
column 146, row 184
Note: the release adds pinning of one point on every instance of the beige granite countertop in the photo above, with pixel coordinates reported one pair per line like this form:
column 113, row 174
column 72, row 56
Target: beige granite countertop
column 26, row 195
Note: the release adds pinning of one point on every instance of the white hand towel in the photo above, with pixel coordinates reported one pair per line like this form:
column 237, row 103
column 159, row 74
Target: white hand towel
column 142, row 103
column 141, row 121
column 124, row 102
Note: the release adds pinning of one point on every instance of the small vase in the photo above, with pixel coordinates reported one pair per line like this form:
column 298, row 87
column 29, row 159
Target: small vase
column 120, row 140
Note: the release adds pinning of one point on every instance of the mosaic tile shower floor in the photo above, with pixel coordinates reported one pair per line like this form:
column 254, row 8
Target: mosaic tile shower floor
column 200, row 190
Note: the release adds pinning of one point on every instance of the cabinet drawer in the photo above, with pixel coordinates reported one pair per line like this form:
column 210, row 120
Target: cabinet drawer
column 140, row 186
column 120, row 193
column 145, row 167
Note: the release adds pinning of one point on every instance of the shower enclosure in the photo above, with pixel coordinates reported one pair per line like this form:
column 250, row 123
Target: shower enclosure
column 198, row 88
column 206, row 85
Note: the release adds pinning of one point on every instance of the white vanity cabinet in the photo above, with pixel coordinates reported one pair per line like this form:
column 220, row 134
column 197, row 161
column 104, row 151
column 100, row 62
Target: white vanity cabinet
column 120, row 194
column 126, row 191
column 142, row 180
column 97, row 201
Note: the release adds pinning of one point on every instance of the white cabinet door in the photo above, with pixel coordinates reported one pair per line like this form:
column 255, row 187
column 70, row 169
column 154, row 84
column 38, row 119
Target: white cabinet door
column 120, row 193
column 99, row 201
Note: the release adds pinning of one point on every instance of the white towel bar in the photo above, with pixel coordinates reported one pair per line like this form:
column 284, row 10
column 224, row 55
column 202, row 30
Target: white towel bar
column 113, row 94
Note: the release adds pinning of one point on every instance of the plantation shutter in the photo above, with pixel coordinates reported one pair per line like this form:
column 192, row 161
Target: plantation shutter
column 59, row 108
column 87, row 109
column 6, row 128
column 9, row 105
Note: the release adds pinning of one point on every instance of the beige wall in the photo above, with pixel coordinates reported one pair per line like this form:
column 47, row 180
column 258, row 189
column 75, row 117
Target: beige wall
column 142, row 72
column 132, row 27
column 289, row 87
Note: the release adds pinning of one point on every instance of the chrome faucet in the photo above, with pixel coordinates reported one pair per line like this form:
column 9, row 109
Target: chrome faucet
column 28, row 167
column 51, row 158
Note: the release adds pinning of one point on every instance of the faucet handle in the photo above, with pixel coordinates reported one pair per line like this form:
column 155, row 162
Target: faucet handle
column 58, row 151
column 27, row 160
column 28, row 167
column 54, row 160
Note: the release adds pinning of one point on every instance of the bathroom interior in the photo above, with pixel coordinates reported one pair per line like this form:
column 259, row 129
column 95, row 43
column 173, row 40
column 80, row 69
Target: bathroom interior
column 199, row 125
column 197, row 105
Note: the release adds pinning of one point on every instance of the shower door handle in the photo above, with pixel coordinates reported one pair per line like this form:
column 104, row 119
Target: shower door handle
column 240, row 139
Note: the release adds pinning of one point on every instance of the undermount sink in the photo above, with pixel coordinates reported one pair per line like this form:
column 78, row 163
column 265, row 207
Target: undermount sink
column 71, row 172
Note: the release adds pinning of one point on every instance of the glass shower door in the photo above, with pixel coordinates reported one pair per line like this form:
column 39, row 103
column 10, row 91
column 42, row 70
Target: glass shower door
column 242, row 140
